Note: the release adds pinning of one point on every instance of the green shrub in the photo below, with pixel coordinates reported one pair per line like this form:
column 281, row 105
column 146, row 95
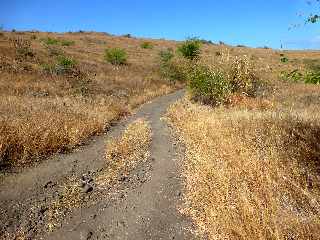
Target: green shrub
column 174, row 69
column 207, row 86
column 54, row 41
column 64, row 65
column 50, row 41
column 67, row 42
column 312, row 77
column 127, row 35
column 190, row 49
column 66, row 62
column 166, row 55
column 146, row 45
column 171, row 68
column 116, row 56
column 293, row 76
column 284, row 59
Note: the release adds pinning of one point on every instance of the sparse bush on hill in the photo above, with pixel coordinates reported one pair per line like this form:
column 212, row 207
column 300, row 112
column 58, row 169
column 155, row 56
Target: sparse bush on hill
column 62, row 65
column 116, row 56
column 53, row 41
column 146, row 45
column 242, row 77
column 190, row 49
column 50, row 41
column 67, row 43
column 284, row 59
column 174, row 69
column 312, row 77
column 215, row 86
column 208, row 86
column 166, row 55
column 65, row 63
column 293, row 76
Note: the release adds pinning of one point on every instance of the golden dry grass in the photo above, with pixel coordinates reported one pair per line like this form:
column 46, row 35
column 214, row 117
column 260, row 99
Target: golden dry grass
column 252, row 172
column 42, row 113
column 125, row 152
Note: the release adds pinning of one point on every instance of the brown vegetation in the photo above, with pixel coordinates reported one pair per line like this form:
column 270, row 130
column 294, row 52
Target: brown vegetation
column 124, row 153
column 53, row 96
column 252, row 169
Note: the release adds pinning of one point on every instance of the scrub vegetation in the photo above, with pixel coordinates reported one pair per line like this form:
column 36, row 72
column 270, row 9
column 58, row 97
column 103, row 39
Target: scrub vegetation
column 252, row 145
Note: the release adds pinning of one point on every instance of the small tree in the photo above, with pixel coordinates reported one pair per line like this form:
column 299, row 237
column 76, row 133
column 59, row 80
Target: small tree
column 116, row 56
column 190, row 49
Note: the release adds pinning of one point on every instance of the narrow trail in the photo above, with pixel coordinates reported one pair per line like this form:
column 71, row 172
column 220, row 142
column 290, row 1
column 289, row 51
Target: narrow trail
column 146, row 207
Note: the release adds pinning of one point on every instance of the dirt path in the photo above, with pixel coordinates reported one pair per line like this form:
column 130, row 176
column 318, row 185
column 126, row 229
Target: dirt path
column 144, row 206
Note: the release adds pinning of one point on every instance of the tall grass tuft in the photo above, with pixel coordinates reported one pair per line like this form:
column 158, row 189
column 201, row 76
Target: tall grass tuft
column 190, row 49
column 116, row 56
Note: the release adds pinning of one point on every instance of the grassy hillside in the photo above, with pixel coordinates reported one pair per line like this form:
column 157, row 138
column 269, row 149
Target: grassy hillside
column 250, row 121
column 56, row 90
column 253, row 159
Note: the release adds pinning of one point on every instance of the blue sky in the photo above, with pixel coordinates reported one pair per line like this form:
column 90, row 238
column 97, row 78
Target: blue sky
column 254, row 23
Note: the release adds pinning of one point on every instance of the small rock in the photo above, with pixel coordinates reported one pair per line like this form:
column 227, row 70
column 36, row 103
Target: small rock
column 122, row 178
column 87, row 188
column 43, row 210
column 86, row 178
column 49, row 184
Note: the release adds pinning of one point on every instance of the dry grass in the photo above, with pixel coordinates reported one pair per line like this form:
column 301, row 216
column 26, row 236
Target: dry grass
column 252, row 174
column 125, row 152
column 43, row 111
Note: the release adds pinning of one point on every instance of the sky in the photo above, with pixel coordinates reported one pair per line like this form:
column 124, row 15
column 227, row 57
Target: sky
column 254, row 23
